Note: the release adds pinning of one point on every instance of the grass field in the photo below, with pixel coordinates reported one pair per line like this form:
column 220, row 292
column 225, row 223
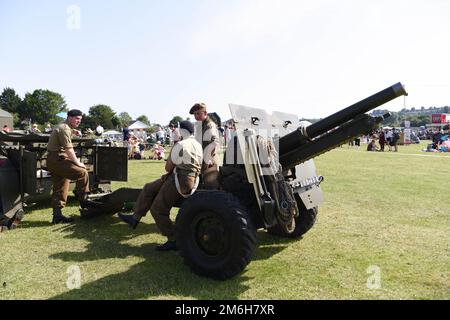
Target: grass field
column 382, row 233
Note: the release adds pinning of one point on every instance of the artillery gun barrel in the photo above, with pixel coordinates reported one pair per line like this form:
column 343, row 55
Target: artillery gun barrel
column 301, row 135
column 34, row 138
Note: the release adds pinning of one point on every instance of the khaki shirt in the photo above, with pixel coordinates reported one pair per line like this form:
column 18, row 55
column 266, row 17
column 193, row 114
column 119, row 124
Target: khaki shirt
column 60, row 139
column 209, row 139
column 187, row 156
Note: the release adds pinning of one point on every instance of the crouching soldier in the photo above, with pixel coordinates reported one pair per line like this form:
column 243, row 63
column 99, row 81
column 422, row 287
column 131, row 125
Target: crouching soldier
column 181, row 180
column 64, row 166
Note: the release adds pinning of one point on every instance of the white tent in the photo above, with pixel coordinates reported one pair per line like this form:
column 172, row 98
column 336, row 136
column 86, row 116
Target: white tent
column 112, row 132
column 6, row 118
column 137, row 128
column 113, row 135
column 137, row 125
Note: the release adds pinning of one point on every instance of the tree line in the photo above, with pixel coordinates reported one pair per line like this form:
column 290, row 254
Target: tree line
column 416, row 117
column 42, row 106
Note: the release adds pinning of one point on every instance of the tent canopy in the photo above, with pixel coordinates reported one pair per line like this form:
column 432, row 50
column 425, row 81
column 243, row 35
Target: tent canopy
column 6, row 118
column 138, row 125
column 4, row 114
column 111, row 132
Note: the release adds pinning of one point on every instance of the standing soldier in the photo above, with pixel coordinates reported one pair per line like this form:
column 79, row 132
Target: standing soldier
column 64, row 165
column 207, row 135
column 181, row 180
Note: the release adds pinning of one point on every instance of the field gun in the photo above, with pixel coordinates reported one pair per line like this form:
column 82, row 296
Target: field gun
column 267, row 180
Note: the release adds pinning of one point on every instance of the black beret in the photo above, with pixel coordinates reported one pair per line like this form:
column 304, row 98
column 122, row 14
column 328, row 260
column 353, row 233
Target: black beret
column 74, row 113
column 187, row 125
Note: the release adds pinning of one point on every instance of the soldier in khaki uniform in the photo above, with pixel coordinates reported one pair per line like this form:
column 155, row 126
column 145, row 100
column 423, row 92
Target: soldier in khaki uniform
column 64, row 165
column 207, row 134
column 181, row 180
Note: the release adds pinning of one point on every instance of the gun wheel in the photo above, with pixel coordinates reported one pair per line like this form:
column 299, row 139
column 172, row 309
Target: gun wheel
column 215, row 235
column 300, row 224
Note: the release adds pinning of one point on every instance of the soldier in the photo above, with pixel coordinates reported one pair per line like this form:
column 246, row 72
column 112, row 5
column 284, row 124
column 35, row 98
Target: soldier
column 181, row 180
column 64, row 165
column 207, row 135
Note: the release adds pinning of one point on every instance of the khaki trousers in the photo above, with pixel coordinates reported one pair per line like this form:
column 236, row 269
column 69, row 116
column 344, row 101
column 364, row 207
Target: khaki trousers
column 63, row 171
column 160, row 196
column 210, row 177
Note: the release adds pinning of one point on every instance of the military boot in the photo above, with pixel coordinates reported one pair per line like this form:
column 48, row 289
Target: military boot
column 58, row 217
column 132, row 222
column 168, row 246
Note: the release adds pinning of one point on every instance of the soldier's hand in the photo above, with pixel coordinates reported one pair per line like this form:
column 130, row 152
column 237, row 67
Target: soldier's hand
column 82, row 165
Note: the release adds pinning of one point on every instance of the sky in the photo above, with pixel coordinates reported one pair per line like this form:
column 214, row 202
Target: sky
column 159, row 57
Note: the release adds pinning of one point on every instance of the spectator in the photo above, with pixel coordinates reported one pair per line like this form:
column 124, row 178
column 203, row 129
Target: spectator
column 35, row 129
column 382, row 140
column 372, row 146
column 99, row 130
column 160, row 135
column 395, row 138
column 6, row 129
column 135, row 152
column 142, row 148
column 126, row 138
column 389, row 135
column 48, row 128
column 175, row 133
column 158, row 151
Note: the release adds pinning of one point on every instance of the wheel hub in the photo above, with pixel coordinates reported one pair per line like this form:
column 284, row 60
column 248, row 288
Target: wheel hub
column 210, row 234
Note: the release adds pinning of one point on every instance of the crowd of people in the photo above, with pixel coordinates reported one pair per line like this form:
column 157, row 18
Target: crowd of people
column 156, row 143
column 389, row 139
column 440, row 142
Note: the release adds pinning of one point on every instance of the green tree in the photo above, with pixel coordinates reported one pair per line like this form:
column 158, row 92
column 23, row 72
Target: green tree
column 153, row 128
column 144, row 119
column 393, row 120
column 176, row 119
column 125, row 118
column 41, row 106
column 103, row 115
column 10, row 100
column 116, row 122
column 87, row 122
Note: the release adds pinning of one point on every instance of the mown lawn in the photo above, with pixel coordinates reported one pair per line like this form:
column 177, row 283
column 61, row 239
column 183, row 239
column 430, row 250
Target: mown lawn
column 385, row 214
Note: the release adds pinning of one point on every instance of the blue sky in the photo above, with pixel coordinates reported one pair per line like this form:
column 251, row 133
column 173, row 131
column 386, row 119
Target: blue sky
column 158, row 58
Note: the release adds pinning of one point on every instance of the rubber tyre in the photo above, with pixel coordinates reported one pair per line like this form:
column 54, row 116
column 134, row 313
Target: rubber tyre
column 215, row 235
column 305, row 221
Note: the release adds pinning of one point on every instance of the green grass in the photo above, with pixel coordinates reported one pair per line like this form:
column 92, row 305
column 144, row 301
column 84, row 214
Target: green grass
column 389, row 210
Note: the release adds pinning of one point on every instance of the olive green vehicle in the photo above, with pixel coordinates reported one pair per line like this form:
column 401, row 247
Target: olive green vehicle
column 25, row 179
